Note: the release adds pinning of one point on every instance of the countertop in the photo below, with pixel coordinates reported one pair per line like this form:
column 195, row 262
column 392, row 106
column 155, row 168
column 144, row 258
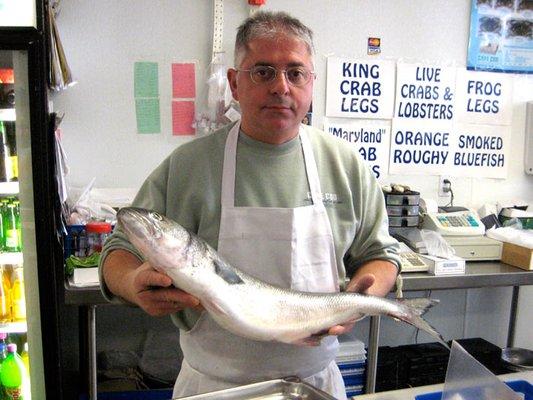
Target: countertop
column 409, row 394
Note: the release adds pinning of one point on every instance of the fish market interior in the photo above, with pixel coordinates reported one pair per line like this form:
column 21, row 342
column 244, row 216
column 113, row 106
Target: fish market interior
column 266, row 199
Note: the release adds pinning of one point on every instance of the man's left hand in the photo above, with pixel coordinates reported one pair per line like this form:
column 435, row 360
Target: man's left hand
column 358, row 284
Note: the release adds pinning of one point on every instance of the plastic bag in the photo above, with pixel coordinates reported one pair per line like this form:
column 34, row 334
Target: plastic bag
column 436, row 245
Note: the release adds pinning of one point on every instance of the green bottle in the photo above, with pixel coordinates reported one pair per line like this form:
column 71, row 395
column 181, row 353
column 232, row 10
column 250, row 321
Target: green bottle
column 13, row 375
column 10, row 228
column 18, row 224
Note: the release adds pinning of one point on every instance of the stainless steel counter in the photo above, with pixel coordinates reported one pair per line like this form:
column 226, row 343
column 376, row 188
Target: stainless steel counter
column 409, row 394
column 478, row 275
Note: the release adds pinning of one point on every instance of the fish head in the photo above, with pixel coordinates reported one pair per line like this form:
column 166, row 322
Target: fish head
column 160, row 240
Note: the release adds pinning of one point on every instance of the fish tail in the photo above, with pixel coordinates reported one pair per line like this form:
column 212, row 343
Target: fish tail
column 411, row 311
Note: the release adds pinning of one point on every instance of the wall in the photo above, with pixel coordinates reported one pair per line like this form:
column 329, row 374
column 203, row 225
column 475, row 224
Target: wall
column 103, row 38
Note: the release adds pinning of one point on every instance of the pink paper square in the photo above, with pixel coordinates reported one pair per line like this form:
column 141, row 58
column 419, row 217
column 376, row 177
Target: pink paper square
column 183, row 118
column 183, row 81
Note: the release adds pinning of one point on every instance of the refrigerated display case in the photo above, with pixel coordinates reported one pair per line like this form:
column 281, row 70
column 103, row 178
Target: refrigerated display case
column 28, row 244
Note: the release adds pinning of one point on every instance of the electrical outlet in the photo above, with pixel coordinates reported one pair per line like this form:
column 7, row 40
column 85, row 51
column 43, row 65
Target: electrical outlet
column 444, row 187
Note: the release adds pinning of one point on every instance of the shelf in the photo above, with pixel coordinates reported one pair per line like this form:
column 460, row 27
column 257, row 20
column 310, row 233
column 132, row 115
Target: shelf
column 7, row 114
column 11, row 258
column 14, row 327
column 9, row 188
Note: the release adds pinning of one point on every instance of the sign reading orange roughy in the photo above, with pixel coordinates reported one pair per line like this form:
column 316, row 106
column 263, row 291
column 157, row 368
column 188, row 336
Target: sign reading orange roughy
column 244, row 305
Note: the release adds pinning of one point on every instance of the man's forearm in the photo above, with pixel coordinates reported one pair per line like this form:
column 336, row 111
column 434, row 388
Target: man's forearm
column 117, row 271
column 385, row 273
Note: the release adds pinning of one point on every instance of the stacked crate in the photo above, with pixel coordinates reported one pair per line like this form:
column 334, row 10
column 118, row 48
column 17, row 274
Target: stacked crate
column 351, row 361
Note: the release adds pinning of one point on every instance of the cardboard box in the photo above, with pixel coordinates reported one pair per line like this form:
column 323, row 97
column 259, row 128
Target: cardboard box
column 444, row 266
column 519, row 256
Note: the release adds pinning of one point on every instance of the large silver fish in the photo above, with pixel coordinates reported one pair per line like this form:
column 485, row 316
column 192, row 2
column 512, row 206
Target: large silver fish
column 244, row 305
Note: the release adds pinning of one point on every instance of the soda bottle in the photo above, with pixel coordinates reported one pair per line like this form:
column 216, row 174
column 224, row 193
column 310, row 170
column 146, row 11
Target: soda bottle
column 5, row 299
column 18, row 300
column 13, row 374
column 3, row 337
column 26, row 358
column 10, row 228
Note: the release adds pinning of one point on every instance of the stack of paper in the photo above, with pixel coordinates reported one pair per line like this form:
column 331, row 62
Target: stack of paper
column 85, row 277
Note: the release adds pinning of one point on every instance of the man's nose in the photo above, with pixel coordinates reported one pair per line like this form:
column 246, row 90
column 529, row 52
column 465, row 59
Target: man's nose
column 280, row 85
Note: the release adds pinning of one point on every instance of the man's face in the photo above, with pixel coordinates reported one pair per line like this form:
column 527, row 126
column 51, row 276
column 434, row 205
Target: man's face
column 272, row 112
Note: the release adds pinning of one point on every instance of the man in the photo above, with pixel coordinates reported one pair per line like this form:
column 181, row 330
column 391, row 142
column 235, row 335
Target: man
column 286, row 203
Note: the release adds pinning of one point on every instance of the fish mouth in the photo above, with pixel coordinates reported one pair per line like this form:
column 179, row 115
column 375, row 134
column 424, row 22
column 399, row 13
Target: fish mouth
column 136, row 222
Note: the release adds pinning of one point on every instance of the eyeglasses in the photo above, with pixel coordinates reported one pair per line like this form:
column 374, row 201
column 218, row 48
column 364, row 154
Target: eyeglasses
column 296, row 76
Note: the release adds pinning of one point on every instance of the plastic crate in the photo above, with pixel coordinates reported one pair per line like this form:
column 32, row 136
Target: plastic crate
column 159, row 394
column 522, row 387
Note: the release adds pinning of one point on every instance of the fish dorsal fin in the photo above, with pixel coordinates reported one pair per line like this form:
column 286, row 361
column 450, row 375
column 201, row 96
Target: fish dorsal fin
column 225, row 272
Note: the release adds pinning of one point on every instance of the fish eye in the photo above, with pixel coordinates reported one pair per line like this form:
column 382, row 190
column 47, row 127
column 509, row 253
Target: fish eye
column 156, row 216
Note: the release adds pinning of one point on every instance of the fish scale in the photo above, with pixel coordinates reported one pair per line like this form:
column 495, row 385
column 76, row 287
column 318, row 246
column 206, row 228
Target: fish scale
column 247, row 306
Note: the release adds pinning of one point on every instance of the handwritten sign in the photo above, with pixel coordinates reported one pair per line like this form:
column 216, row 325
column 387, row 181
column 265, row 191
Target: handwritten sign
column 483, row 97
column 359, row 88
column 481, row 151
column 370, row 137
column 420, row 147
column 425, row 92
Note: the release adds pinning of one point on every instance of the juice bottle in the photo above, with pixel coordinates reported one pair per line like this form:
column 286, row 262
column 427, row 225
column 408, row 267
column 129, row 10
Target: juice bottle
column 13, row 375
column 5, row 297
column 18, row 300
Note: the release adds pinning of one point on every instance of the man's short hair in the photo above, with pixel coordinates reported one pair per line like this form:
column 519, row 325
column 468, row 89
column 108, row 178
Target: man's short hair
column 268, row 24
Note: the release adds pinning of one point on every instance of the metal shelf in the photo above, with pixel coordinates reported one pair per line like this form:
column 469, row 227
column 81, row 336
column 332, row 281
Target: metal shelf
column 11, row 258
column 14, row 327
column 7, row 114
column 9, row 188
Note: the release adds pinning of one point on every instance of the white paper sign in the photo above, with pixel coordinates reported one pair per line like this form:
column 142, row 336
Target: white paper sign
column 358, row 88
column 17, row 13
column 483, row 97
column 481, row 151
column 420, row 147
column 370, row 137
column 425, row 92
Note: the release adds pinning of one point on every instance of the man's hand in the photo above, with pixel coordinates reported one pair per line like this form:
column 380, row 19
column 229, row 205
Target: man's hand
column 356, row 285
column 155, row 294
column 139, row 283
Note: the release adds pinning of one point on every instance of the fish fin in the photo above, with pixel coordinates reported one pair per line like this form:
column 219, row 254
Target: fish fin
column 213, row 307
column 226, row 272
column 411, row 311
column 419, row 305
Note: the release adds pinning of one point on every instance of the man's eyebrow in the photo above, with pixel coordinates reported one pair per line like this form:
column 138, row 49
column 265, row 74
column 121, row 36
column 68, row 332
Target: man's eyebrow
column 267, row 64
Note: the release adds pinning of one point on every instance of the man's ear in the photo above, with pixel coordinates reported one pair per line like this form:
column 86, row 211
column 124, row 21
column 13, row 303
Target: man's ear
column 232, row 79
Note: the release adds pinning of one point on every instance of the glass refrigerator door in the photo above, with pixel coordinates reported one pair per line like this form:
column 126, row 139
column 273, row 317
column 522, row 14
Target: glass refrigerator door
column 20, row 321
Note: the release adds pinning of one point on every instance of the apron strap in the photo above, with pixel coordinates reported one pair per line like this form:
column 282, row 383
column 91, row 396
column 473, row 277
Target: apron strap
column 228, row 169
column 311, row 168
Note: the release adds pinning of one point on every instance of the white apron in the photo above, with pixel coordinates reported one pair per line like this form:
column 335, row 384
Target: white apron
column 288, row 247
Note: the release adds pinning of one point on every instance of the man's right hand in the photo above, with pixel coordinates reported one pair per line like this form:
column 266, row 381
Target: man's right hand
column 154, row 293
column 139, row 283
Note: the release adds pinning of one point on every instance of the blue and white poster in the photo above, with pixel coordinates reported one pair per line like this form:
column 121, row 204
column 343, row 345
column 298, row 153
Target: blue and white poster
column 501, row 36
column 358, row 88
column 371, row 138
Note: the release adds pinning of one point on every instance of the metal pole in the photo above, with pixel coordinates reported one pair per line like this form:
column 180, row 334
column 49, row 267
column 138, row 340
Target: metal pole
column 91, row 339
column 512, row 316
column 372, row 360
